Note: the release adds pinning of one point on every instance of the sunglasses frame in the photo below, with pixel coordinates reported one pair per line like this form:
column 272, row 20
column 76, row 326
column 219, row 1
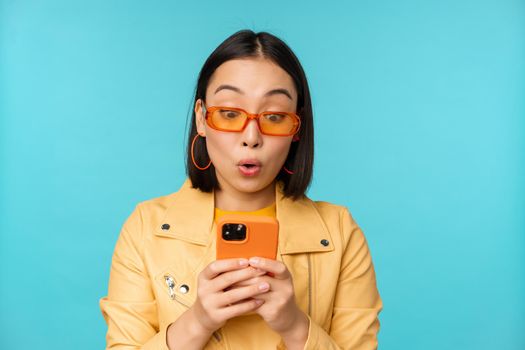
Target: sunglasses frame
column 208, row 112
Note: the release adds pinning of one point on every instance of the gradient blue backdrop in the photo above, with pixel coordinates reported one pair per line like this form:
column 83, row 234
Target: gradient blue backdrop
column 420, row 131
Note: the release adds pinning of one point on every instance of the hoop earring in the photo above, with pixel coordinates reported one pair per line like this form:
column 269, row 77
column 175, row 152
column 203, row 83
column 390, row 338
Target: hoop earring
column 193, row 158
column 288, row 171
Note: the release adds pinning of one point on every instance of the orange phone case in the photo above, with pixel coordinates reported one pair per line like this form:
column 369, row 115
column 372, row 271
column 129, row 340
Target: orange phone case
column 262, row 236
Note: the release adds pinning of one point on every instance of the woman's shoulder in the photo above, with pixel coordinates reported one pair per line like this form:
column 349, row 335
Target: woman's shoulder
column 326, row 208
column 159, row 203
column 188, row 209
column 338, row 217
column 163, row 202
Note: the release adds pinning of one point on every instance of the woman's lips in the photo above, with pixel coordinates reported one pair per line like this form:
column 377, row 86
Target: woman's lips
column 249, row 170
column 249, row 166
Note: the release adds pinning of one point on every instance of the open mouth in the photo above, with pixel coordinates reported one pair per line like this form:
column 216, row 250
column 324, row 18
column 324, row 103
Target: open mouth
column 249, row 169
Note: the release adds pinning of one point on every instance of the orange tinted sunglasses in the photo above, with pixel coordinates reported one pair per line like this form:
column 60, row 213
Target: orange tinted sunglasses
column 233, row 119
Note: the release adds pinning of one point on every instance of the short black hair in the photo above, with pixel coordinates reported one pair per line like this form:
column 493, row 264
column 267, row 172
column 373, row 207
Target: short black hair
column 243, row 44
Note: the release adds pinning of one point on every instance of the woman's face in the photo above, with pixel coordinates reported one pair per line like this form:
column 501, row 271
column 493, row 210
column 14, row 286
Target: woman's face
column 255, row 85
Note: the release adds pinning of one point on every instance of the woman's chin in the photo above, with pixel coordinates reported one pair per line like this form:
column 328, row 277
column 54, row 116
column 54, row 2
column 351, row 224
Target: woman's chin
column 249, row 184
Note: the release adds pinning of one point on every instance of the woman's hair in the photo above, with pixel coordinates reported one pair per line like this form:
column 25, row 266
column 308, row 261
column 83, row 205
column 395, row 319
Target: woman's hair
column 245, row 44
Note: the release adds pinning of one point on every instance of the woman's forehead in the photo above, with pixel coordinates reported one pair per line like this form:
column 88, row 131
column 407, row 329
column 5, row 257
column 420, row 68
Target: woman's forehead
column 256, row 77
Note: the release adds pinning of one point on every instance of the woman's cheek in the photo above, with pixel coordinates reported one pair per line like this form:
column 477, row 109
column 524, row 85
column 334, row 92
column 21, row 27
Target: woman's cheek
column 218, row 152
column 283, row 153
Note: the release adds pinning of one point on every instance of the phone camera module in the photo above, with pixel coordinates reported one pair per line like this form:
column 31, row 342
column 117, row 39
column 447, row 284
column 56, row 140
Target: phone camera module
column 234, row 232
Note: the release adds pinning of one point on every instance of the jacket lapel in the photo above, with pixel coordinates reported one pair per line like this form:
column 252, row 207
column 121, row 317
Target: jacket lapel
column 301, row 228
column 189, row 216
column 191, row 212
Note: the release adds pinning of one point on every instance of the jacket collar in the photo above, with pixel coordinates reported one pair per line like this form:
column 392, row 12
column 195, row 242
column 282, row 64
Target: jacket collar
column 190, row 217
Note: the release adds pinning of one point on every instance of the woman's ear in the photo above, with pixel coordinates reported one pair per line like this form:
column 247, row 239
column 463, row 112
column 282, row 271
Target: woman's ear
column 199, row 118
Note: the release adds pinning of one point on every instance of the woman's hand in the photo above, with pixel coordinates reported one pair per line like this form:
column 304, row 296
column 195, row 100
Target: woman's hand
column 216, row 303
column 279, row 310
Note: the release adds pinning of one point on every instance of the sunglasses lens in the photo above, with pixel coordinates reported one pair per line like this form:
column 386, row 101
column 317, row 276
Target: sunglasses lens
column 277, row 123
column 228, row 119
column 273, row 123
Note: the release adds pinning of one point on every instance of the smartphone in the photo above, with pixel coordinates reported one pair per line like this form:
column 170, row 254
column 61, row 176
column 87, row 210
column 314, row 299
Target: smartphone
column 244, row 236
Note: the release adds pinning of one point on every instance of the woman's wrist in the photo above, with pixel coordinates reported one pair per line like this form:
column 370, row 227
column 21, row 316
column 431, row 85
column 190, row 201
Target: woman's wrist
column 297, row 335
column 187, row 332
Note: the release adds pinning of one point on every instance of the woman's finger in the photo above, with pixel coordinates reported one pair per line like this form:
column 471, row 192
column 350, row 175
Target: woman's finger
column 230, row 278
column 232, row 296
column 261, row 276
column 219, row 266
column 241, row 308
column 275, row 267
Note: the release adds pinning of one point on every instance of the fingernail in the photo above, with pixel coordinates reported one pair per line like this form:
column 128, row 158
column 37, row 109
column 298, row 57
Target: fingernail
column 259, row 301
column 243, row 262
column 254, row 261
column 264, row 286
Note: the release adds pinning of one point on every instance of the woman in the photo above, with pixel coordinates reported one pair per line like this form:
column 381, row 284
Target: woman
column 167, row 291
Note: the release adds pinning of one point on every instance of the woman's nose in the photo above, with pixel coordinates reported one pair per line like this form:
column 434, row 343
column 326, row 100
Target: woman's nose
column 251, row 136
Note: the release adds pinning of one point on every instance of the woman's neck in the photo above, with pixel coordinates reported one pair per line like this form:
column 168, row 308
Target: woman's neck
column 231, row 199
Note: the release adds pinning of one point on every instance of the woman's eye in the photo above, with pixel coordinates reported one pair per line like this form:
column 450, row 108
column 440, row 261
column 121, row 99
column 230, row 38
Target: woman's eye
column 230, row 114
column 275, row 118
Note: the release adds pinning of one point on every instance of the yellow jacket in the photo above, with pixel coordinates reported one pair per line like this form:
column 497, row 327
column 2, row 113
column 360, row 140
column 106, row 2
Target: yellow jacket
column 167, row 241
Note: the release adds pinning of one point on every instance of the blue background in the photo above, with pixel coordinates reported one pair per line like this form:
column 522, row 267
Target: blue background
column 420, row 131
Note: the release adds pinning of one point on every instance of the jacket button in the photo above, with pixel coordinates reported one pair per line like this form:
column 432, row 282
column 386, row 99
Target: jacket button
column 165, row 227
column 325, row 242
column 184, row 289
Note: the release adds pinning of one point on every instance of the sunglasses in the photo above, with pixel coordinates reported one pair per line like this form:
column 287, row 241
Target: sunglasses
column 234, row 119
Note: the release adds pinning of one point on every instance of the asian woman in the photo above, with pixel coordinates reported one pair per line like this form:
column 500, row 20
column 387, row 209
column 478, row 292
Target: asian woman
column 250, row 151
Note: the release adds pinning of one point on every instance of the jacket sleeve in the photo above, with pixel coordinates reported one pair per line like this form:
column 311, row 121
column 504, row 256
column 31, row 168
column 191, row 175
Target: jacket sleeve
column 130, row 309
column 357, row 304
